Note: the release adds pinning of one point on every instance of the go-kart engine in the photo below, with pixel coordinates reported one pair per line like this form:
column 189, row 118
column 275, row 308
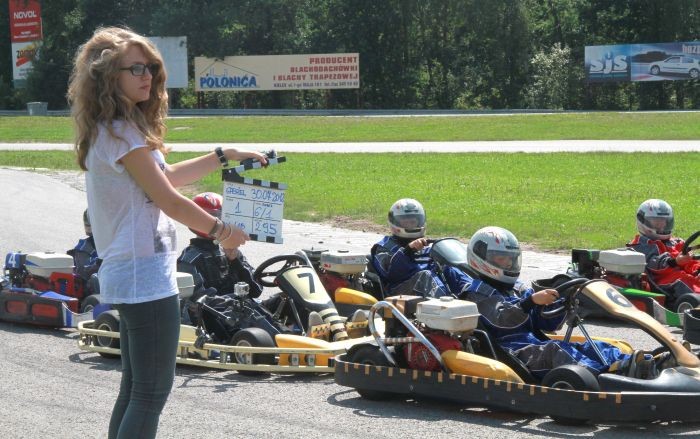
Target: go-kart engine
column 419, row 357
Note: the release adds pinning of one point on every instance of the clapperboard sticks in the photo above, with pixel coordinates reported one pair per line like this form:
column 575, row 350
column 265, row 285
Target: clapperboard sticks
column 232, row 175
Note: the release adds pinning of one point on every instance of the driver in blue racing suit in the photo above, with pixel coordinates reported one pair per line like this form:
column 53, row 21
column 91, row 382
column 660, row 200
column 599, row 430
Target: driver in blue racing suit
column 85, row 257
column 402, row 260
column 510, row 313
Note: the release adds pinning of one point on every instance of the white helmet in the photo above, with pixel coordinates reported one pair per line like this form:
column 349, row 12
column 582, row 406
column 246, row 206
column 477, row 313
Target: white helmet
column 494, row 252
column 655, row 219
column 407, row 219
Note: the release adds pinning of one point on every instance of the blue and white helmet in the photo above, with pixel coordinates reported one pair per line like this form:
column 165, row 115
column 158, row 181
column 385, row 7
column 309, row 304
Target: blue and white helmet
column 655, row 219
column 494, row 253
column 407, row 219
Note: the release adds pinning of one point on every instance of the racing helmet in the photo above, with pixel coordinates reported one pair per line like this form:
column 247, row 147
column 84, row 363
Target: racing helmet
column 86, row 223
column 211, row 202
column 407, row 218
column 655, row 219
column 494, row 253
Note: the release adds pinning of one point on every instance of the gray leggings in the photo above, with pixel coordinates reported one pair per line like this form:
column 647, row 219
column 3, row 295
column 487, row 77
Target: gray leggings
column 149, row 335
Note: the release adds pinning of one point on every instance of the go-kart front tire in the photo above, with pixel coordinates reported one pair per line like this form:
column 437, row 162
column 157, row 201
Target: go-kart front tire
column 90, row 302
column 372, row 355
column 687, row 302
column 570, row 377
column 252, row 337
column 108, row 321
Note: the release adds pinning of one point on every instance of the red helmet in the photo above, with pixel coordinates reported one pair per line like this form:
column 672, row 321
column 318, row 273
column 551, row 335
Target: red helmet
column 211, row 202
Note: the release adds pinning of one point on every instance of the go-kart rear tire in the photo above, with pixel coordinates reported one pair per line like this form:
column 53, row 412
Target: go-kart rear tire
column 372, row 355
column 687, row 302
column 108, row 321
column 252, row 337
column 90, row 302
column 571, row 377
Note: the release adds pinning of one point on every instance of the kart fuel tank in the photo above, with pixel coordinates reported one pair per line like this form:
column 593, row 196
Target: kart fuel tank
column 343, row 262
column 622, row 261
column 448, row 314
column 44, row 263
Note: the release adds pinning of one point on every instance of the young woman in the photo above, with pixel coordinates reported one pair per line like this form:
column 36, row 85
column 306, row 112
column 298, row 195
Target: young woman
column 118, row 102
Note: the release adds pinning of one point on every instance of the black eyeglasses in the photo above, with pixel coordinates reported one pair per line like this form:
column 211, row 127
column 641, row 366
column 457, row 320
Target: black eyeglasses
column 139, row 69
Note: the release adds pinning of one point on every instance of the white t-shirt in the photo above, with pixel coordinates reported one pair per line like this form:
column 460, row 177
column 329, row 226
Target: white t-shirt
column 134, row 238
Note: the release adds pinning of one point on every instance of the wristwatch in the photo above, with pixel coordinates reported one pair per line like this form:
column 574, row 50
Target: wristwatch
column 222, row 157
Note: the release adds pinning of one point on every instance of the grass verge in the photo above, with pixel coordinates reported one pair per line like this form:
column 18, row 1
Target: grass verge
column 554, row 201
column 281, row 129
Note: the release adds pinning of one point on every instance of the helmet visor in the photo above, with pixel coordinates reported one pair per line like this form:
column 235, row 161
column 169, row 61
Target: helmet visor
column 663, row 225
column 508, row 261
column 412, row 222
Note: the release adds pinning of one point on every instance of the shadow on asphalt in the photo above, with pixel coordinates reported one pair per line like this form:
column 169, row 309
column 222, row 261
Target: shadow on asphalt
column 96, row 361
column 25, row 328
column 427, row 409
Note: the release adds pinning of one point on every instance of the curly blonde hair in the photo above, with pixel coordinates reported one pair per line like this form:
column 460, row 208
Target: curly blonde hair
column 95, row 97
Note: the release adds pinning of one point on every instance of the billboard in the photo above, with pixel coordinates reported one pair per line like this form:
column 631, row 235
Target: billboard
column 25, row 37
column 277, row 72
column 643, row 62
column 174, row 52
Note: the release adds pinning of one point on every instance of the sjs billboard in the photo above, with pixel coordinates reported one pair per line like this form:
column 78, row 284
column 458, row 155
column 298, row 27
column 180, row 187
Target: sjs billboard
column 643, row 62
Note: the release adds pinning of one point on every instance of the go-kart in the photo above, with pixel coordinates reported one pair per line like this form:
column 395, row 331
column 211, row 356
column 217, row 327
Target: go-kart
column 340, row 270
column 434, row 348
column 626, row 270
column 237, row 332
column 42, row 289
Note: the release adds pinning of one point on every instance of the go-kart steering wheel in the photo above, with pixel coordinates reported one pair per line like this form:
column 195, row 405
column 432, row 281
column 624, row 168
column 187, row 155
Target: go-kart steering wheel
column 687, row 248
column 260, row 275
column 566, row 295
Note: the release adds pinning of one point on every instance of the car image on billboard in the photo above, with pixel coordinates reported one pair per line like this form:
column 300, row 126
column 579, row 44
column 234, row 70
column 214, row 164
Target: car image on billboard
column 676, row 64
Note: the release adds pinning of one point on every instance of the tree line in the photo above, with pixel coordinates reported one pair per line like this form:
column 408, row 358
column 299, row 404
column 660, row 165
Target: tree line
column 414, row 54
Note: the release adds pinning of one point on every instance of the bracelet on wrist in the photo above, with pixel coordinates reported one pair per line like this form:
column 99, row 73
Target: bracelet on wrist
column 223, row 236
column 227, row 236
column 218, row 225
column 222, row 157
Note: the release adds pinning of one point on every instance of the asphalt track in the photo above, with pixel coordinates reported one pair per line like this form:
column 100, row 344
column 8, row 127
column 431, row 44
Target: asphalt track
column 51, row 389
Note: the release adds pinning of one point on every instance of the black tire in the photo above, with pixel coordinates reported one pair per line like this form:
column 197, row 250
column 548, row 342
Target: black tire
column 687, row 302
column 694, row 73
column 252, row 337
column 570, row 377
column 108, row 321
column 655, row 70
column 90, row 302
column 372, row 355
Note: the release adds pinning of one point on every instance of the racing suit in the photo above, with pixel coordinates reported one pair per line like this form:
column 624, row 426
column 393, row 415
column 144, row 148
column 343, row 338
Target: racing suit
column 662, row 267
column 213, row 273
column 85, row 258
column 514, row 322
column 403, row 271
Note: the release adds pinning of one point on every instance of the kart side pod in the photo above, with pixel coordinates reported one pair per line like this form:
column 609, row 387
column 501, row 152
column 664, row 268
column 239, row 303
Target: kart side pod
column 465, row 363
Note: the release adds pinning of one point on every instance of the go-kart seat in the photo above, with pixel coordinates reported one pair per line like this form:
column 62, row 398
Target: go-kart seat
column 493, row 350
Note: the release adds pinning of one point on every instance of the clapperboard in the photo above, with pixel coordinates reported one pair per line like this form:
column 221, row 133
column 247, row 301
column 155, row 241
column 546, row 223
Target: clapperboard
column 254, row 206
